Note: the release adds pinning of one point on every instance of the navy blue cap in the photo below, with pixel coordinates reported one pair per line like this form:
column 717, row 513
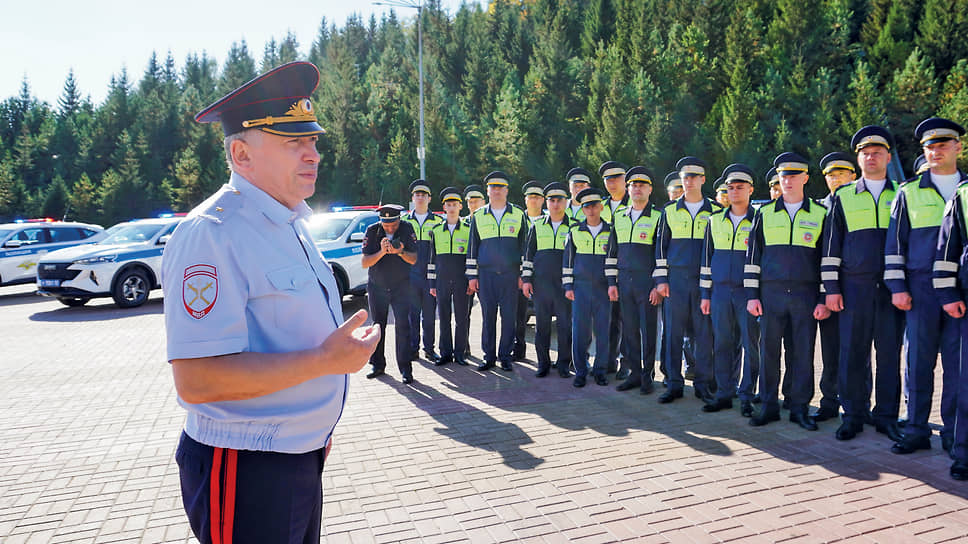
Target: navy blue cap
column 691, row 166
column 738, row 172
column 276, row 102
column 672, row 178
column 937, row 129
column 791, row 163
column 473, row 191
column 578, row 174
column 419, row 185
column 450, row 193
column 589, row 196
column 389, row 212
column 611, row 168
column 920, row 164
column 556, row 189
column 772, row 178
column 719, row 186
column 497, row 178
column 838, row 160
column 533, row 187
column 639, row 174
column 872, row 135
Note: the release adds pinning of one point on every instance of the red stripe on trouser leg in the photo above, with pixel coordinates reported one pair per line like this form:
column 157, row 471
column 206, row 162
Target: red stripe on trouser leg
column 228, row 506
column 214, row 494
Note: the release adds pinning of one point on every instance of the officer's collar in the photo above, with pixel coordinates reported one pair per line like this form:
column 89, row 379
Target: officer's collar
column 804, row 204
column 546, row 219
column 750, row 212
column 861, row 185
column 270, row 207
column 681, row 204
column 647, row 210
column 584, row 225
column 507, row 207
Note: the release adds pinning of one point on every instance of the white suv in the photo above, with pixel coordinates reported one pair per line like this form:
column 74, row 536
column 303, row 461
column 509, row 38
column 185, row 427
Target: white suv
column 339, row 237
column 22, row 244
column 125, row 266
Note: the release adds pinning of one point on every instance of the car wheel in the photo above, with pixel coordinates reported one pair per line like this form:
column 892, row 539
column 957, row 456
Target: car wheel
column 131, row 288
column 73, row 302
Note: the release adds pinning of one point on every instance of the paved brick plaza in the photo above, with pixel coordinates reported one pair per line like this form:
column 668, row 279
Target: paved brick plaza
column 89, row 422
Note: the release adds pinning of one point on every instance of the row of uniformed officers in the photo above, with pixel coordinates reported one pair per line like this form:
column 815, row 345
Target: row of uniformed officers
column 875, row 262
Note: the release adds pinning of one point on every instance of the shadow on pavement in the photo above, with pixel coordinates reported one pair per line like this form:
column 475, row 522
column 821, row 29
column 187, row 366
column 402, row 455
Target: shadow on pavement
column 99, row 309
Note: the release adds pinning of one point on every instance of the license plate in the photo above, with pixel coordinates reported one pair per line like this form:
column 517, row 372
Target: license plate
column 48, row 283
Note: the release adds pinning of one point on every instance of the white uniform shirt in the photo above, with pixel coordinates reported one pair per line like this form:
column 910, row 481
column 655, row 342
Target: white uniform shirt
column 241, row 273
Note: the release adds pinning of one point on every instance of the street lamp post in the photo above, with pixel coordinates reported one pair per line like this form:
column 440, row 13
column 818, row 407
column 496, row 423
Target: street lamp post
column 421, row 150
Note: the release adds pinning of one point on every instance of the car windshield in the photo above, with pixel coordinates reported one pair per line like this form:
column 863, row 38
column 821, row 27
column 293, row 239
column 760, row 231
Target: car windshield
column 325, row 229
column 132, row 233
column 4, row 233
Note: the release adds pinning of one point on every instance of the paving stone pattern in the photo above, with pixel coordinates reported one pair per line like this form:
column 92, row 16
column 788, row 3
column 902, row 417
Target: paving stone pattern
column 89, row 422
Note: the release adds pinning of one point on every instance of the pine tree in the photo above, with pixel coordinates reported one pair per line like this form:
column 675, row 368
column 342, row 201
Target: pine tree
column 239, row 68
column 84, row 200
column 954, row 102
column 55, row 199
column 865, row 105
column 913, row 98
column 70, row 99
column 943, row 32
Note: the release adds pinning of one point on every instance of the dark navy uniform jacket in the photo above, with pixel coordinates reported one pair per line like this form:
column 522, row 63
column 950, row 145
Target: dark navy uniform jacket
column 951, row 258
column 501, row 250
column 912, row 236
column 448, row 252
column 422, row 235
column 855, row 233
column 633, row 244
column 391, row 270
column 586, row 258
column 542, row 265
column 680, row 237
column 724, row 251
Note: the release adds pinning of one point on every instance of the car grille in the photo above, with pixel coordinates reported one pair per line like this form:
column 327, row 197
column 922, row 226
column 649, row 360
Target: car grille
column 56, row 271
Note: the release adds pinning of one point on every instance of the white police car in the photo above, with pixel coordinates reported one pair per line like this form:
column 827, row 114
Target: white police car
column 339, row 237
column 125, row 266
column 22, row 244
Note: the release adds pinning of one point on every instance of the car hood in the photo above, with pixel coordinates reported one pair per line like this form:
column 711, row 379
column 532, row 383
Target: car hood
column 88, row 251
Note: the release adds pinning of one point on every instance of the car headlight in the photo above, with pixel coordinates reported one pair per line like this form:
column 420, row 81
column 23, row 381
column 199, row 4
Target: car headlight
column 96, row 260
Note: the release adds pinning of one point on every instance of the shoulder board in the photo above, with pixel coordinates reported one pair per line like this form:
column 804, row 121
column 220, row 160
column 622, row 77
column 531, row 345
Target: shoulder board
column 220, row 206
column 715, row 205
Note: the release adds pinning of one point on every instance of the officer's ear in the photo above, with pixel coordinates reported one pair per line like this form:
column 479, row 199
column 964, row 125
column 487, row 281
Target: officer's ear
column 241, row 153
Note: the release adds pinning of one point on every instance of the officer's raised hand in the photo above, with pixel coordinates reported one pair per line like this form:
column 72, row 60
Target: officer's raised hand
column 955, row 309
column 901, row 301
column 835, row 303
column 350, row 345
column 821, row 312
column 704, row 306
column 754, row 307
column 570, row 294
column 613, row 293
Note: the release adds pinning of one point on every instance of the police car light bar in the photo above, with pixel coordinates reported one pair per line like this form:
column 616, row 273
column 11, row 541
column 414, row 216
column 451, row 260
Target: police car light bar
column 352, row 208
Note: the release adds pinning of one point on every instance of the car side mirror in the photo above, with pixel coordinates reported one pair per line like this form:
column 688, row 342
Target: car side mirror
column 13, row 243
column 355, row 237
column 164, row 239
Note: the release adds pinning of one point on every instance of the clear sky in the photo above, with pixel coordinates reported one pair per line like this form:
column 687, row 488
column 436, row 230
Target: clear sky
column 96, row 38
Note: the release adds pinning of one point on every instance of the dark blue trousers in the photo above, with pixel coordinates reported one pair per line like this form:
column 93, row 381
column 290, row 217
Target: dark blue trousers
column 787, row 307
column 591, row 314
column 960, row 449
column 682, row 318
column 616, row 338
column 930, row 330
column 261, row 496
column 550, row 301
column 868, row 316
column 830, row 356
column 452, row 299
column 521, row 327
column 498, row 294
column 734, row 330
column 422, row 307
column 639, row 322
column 382, row 300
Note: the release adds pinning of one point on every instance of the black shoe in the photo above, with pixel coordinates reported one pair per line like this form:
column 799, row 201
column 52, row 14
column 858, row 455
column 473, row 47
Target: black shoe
column 520, row 356
column 891, row 430
column 623, row 374
column 763, row 418
column 407, row 379
column 485, row 365
column 911, row 445
column 670, row 395
column 703, row 392
column 506, row 366
column 415, row 355
column 579, row 381
column 563, row 371
column 717, row 405
column 444, row 360
column 600, row 379
column 757, row 399
column 460, row 360
column 431, row 356
column 627, row 384
column 848, row 431
column 467, row 352
column 804, row 420
column 647, row 388
column 689, row 375
column 542, row 371
column 376, row 372
column 746, row 408
column 825, row 413
column 959, row 471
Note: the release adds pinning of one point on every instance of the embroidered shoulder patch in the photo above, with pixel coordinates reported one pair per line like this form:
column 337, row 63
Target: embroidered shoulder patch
column 199, row 290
